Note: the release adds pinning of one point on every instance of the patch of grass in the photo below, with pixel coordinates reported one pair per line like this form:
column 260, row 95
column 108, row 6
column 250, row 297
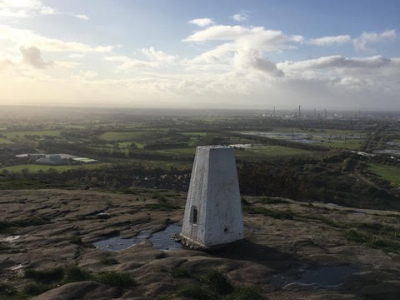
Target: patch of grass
column 180, row 273
column 197, row 293
column 268, row 200
column 7, row 290
column 246, row 293
column 76, row 240
column 322, row 219
column 218, row 282
column 35, row 221
column 245, row 202
column 162, row 205
column 108, row 261
column 45, row 276
column 389, row 173
column 5, row 141
column 36, row 168
column 3, row 247
column 115, row 279
column 379, row 229
column 372, row 240
column 356, row 236
column 22, row 134
column 276, row 214
column 34, row 289
column 75, row 274
column 6, row 226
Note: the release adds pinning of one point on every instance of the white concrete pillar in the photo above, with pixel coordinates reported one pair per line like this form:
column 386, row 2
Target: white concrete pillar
column 213, row 213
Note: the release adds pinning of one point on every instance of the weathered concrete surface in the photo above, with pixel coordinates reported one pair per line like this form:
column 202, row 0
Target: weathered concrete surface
column 273, row 246
column 214, row 193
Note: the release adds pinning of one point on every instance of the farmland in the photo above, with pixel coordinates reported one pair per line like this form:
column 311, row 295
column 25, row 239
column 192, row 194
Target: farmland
column 16, row 135
column 389, row 173
column 298, row 159
column 44, row 168
column 5, row 141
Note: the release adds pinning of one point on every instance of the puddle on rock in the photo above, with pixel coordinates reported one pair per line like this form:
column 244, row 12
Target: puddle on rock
column 118, row 244
column 163, row 240
column 325, row 278
column 357, row 213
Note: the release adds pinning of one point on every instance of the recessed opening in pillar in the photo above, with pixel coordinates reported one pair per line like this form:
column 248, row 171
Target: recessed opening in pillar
column 193, row 215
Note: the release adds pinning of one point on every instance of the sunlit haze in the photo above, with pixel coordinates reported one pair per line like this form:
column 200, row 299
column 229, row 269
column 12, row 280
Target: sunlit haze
column 252, row 54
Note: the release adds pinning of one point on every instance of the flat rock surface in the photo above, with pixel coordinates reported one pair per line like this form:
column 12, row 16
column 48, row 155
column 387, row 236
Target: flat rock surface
column 282, row 255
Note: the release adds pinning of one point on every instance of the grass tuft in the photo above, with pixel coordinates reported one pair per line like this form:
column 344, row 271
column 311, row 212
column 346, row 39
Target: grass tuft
column 115, row 279
column 75, row 274
column 7, row 290
column 246, row 293
column 180, row 273
column 197, row 293
column 34, row 289
column 218, row 282
column 276, row 214
column 109, row 261
column 45, row 276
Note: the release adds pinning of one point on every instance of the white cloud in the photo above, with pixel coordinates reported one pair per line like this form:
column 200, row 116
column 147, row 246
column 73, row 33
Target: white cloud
column 366, row 38
column 30, row 8
column 117, row 58
column 159, row 56
column 204, row 22
column 221, row 33
column 252, row 59
column 47, row 10
column 242, row 49
column 22, row 37
column 331, row 62
column 33, row 57
column 133, row 64
column 130, row 64
column 249, row 37
column 241, row 16
column 155, row 59
column 77, row 55
column 331, row 40
column 82, row 17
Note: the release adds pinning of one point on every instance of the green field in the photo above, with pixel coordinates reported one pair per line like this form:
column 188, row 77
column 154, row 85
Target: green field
column 5, row 141
column 21, row 134
column 260, row 151
column 389, row 173
column 165, row 165
column 351, row 144
column 45, row 168
column 123, row 136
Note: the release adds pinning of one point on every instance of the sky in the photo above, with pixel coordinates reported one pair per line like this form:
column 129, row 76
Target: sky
column 253, row 54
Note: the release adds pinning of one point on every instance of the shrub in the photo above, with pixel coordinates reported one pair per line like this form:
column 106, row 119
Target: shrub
column 180, row 273
column 45, row 276
column 218, row 282
column 276, row 214
column 196, row 293
column 75, row 274
column 7, row 290
column 76, row 240
column 246, row 293
column 115, row 279
column 34, row 289
column 109, row 261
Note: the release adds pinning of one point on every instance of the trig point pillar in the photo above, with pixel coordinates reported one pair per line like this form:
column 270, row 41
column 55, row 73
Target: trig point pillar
column 213, row 213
